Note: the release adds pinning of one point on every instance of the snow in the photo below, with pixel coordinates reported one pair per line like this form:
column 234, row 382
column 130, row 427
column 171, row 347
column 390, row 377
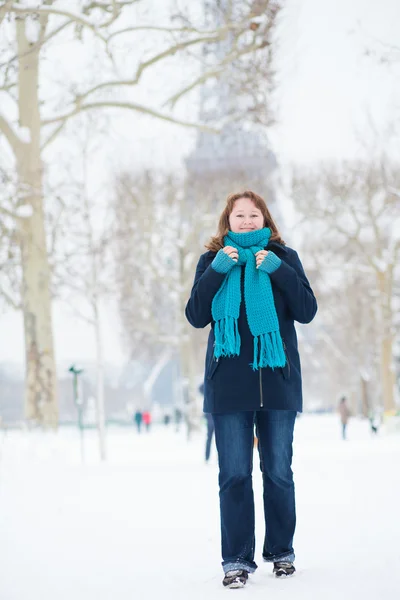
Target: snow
column 24, row 211
column 24, row 134
column 145, row 525
column 32, row 29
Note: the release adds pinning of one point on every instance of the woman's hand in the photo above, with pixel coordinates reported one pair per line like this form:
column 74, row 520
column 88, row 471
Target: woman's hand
column 260, row 255
column 231, row 252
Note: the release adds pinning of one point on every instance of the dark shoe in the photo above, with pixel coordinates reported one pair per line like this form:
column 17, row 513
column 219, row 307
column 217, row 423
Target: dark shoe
column 235, row 579
column 284, row 569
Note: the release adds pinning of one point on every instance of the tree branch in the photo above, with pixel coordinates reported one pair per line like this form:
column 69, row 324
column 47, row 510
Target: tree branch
column 10, row 134
column 208, row 75
column 218, row 36
column 4, row 9
column 220, row 32
column 155, row 28
column 44, row 10
column 43, row 41
column 130, row 106
column 7, row 212
column 373, row 220
column 213, row 73
column 10, row 300
column 47, row 10
column 144, row 65
column 56, row 32
column 396, row 252
column 54, row 134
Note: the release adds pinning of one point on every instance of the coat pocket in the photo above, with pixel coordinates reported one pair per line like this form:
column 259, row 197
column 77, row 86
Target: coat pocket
column 212, row 367
column 286, row 369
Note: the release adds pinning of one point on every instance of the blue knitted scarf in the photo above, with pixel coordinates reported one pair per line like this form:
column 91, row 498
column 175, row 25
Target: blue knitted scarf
column 259, row 304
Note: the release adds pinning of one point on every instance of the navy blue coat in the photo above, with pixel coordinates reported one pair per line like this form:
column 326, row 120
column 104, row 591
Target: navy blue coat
column 230, row 384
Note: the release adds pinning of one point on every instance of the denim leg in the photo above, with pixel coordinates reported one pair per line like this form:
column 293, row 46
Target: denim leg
column 275, row 437
column 234, row 440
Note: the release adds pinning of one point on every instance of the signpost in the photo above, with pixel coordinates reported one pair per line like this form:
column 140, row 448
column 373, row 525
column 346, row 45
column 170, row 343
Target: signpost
column 78, row 400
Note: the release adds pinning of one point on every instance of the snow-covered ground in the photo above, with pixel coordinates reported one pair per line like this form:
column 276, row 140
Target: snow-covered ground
column 145, row 525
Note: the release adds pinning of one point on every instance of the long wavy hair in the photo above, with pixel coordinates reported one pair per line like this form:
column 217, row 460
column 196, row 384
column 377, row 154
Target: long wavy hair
column 217, row 242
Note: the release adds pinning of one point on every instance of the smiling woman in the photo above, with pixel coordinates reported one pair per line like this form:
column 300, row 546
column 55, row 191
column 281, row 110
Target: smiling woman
column 245, row 216
column 251, row 288
column 243, row 212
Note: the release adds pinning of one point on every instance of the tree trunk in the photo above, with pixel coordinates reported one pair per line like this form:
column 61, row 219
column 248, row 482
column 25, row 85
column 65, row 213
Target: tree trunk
column 386, row 358
column 40, row 393
column 364, row 388
column 100, row 405
column 387, row 374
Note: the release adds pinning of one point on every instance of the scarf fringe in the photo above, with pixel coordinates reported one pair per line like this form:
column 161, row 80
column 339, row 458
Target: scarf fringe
column 227, row 338
column 268, row 351
column 268, row 347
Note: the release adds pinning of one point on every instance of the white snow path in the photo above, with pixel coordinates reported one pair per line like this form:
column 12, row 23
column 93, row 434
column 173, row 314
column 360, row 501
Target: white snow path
column 146, row 524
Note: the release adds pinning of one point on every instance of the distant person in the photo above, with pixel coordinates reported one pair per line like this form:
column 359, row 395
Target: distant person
column 178, row 418
column 147, row 420
column 251, row 288
column 344, row 413
column 138, row 418
column 210, row 429
column 167, row 419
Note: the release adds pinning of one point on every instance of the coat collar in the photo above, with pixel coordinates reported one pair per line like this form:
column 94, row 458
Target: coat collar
column 278, row 246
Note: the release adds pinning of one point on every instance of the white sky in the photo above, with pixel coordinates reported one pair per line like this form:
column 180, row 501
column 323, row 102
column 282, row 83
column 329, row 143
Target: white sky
column 326, row 87
column 327, row 83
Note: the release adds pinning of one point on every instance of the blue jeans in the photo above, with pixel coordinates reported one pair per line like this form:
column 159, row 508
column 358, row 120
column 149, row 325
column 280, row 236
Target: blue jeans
column 234, row 435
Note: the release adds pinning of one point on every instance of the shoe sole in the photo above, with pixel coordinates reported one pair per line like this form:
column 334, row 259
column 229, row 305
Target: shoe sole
column 235, row 585
column 284, row 575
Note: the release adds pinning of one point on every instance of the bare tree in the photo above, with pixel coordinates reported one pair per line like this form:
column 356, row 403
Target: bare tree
column 81, row 259
column 30, row 32
column 161, row 232
column 155, row 252
column 10, row 276
column 163, row 223
column 355, row 208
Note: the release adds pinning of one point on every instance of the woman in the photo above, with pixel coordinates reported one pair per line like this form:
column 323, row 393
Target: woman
column 251, row 287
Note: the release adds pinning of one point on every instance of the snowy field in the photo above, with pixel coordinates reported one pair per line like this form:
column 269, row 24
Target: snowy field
column 145, row 525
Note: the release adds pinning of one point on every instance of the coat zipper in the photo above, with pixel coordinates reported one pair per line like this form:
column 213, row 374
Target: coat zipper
column 261, row 390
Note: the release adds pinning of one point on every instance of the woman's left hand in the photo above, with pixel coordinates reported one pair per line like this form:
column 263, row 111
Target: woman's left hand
column 260, row 255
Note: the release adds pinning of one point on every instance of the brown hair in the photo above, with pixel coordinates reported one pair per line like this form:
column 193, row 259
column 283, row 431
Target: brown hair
column 217, row 242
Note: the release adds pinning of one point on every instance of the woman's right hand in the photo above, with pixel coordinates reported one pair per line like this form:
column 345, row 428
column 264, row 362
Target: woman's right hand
column 231, row 252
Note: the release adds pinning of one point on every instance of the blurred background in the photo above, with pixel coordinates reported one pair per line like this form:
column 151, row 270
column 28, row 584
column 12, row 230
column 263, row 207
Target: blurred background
column 123, row 127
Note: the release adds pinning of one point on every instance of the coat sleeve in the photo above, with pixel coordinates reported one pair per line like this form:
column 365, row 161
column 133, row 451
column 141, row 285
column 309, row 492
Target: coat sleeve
column 291, row 280
column 206, row 284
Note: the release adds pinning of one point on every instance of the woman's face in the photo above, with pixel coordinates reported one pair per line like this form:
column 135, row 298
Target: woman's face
column 245, row 216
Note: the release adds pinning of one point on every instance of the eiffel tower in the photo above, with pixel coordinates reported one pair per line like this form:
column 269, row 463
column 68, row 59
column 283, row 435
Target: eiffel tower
column 238, row 157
